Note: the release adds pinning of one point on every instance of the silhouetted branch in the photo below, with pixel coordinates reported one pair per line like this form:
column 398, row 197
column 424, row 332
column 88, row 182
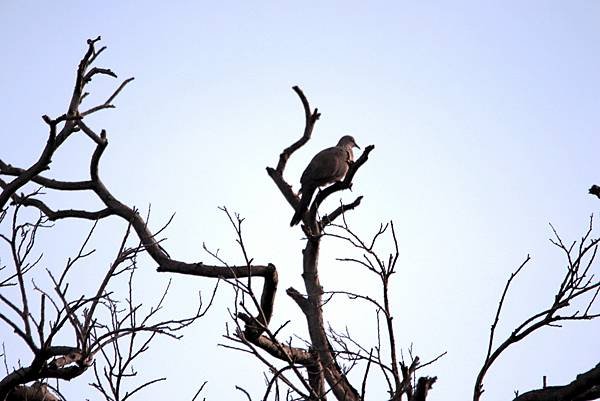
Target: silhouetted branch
column 310, row 120
column 84, row 314
column 277, row 173
column 400, row 381
column 73, row 121
column 329, row 218
column 577, row 282
column 256, row 336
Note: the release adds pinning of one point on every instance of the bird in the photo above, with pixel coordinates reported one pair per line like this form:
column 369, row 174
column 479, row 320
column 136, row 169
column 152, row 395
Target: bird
column 326, row 167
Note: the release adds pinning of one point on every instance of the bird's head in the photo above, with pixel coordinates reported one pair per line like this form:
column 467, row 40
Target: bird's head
column 347, row 142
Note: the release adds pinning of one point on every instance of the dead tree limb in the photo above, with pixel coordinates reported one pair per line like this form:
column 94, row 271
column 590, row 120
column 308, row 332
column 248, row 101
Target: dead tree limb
column 399, row 374
column 311, row 304
column 578, row 282
column 86, row 315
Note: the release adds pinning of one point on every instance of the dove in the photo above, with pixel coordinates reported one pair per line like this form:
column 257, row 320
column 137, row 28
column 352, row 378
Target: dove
column 326, row 167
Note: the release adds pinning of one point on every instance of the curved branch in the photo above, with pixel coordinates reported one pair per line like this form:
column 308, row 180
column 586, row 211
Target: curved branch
column 40, row 165
column 257, row 325
column 310, row 120
column 7, row 169
column 62, row 214
column 276, row 174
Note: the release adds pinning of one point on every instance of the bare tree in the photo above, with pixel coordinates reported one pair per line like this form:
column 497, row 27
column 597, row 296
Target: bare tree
column 109, row 337
column 99, row 323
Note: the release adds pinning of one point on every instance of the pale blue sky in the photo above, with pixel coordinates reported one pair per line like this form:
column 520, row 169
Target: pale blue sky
column 485, row 120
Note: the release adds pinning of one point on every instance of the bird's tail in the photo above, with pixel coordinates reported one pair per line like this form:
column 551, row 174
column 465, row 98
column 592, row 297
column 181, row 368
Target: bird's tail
column 302, row 206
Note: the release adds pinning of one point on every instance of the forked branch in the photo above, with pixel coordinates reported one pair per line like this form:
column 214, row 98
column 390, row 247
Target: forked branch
column 577, row 283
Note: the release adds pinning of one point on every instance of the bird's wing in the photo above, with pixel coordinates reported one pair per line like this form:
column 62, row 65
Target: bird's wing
column 327, row 166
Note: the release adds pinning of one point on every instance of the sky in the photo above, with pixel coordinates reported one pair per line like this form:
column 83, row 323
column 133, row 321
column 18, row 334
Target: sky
column 484, row 116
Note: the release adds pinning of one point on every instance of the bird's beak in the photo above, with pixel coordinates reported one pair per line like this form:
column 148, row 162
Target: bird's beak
column 356, row 146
